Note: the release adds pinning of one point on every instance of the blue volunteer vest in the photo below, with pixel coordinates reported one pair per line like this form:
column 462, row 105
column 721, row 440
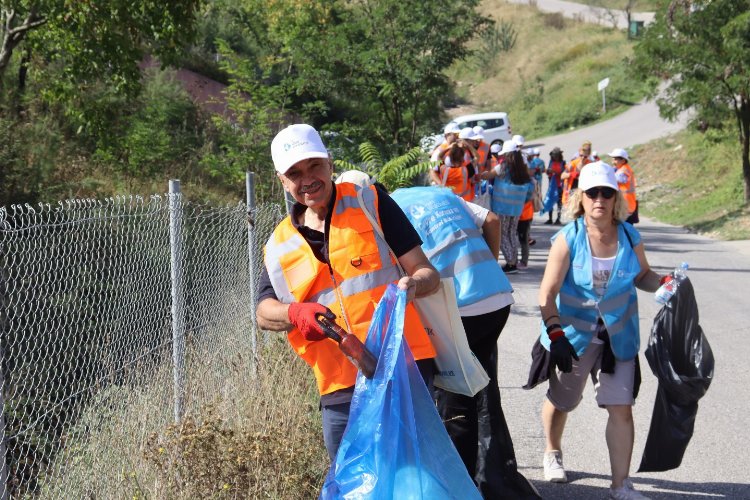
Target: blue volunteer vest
column 453, row 243
column 579, row 304
column 508, row 198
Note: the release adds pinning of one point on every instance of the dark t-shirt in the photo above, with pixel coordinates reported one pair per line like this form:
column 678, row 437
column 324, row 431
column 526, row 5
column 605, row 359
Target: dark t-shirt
column 399, row 233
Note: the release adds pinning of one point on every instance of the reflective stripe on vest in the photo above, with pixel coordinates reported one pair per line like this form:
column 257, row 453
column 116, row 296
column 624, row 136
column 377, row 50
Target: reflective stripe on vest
column 580, row 307
column 508, row 198
column 362, row 267
column 453, row 243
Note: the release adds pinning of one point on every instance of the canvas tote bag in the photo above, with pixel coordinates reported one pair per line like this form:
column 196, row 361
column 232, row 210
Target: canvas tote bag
column 459, row 371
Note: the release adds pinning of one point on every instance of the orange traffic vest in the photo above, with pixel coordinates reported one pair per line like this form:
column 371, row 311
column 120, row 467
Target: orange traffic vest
column 628, row 188
column 574, row 169
column 457, row 178
column 362, row 267
column 483, row 153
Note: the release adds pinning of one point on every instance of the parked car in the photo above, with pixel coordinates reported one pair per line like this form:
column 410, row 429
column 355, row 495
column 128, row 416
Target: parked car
column 496, row 127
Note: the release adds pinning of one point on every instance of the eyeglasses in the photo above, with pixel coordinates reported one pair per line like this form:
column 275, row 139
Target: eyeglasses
column 606, row 192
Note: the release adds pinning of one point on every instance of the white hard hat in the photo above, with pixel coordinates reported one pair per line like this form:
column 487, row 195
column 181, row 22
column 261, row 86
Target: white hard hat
column 619, row 153
column 495, row 148
column 478, row 132
column 451, row 128
column 518, row 139
column 466, row 133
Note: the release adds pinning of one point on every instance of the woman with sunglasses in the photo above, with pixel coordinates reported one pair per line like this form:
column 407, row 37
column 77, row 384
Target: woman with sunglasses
column 590, row 320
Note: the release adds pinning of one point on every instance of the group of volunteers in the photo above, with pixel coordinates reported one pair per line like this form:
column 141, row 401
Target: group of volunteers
column 328, row 258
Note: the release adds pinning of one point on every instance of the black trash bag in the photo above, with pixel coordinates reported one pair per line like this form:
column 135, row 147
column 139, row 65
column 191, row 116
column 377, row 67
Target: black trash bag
column 681, row 358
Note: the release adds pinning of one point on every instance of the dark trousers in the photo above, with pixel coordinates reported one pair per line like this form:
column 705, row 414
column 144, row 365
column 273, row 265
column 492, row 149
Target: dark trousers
column 336, row 416
column 524, row 227
column 477, row 424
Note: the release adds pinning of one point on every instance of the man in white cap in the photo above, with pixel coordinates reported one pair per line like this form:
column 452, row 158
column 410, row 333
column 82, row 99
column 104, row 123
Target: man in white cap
column 626, row 182
column 451, row 135
column 325, row 259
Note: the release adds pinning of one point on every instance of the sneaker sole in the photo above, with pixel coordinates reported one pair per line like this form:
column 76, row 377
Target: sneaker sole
column 556, row 479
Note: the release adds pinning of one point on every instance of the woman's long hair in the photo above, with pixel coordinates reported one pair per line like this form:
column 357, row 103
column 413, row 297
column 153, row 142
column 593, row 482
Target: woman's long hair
column 516, row 168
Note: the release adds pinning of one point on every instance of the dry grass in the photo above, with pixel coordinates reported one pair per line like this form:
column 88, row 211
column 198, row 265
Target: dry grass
column 694, row 180
column 259, row 436
column 547, row 82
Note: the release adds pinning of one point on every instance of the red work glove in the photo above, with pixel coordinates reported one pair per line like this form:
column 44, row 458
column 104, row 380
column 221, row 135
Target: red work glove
column 302, row 315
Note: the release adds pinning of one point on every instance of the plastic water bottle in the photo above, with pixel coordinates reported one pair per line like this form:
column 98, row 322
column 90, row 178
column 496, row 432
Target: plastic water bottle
column 669, row 288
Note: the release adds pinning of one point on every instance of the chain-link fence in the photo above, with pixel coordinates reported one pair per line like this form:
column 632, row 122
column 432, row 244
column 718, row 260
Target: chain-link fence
column 118, row 317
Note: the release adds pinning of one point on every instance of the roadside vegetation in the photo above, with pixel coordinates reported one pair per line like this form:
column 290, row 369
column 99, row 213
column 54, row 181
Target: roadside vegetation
column 547, row 81
column 694, row 179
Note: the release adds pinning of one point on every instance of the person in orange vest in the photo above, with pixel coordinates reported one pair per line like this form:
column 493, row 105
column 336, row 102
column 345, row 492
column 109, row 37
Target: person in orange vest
column 484, row 162
column 524, row 229
column 451, row 135
column 555, row 168
column 573, row 170
column 457, row 168
column 325, row 259
column 626, row 182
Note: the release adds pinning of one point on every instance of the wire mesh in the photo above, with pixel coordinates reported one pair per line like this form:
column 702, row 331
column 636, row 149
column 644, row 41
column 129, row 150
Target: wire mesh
column 87, row 345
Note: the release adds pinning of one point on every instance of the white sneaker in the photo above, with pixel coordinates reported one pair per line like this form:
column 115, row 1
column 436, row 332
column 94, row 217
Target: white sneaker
column 626, row 492
column 553, row 467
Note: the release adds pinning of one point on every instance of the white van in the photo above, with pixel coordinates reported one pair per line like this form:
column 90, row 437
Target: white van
column 496, row 125
column 496, row 128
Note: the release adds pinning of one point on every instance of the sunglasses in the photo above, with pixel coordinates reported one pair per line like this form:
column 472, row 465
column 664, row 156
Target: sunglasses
column 606, row 192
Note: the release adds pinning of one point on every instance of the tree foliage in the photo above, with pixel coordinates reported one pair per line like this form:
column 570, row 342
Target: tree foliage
column 401, row 171
column 701, row 49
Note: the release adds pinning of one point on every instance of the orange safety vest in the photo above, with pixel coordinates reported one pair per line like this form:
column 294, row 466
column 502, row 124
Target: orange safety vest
column 528, row 211
column 362, row 267
column 628, row 188
column 457, row 178
column 483, row 153
column 574, row 169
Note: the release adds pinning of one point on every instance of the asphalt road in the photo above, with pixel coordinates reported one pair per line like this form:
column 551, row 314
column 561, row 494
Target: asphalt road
column 713, row 466
column 590, row 14
column 638, row 125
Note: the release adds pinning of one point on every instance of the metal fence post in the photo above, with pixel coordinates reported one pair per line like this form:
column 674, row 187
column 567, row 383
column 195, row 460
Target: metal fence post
column 178, row 312
column 4, row 495
column 250, row 193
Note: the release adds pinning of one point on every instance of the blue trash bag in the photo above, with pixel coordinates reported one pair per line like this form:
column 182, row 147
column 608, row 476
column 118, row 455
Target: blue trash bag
column 395, row 444
column 552, row 196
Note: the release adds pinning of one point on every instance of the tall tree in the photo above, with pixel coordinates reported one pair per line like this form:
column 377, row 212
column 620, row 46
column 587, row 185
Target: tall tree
column 381, row 62
column 94, row 39
column 701, row 48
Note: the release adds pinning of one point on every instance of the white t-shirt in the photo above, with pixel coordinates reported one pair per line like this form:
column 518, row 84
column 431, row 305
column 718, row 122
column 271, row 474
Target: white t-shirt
column 601, row 270
column 497, row 301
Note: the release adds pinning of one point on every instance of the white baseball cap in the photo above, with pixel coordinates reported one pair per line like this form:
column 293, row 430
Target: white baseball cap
column 597, row 174
column 466, row 133
column 619, row 153
column 478, row 132
column 451, row 128
column 509, row 147
column 536, row 151
column 495, row 148
column 296, row 143
column 518, row 139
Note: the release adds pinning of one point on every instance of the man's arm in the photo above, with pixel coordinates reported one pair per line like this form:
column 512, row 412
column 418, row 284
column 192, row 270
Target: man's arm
column 491, row 232
column 273, row 315
column 421, row 277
